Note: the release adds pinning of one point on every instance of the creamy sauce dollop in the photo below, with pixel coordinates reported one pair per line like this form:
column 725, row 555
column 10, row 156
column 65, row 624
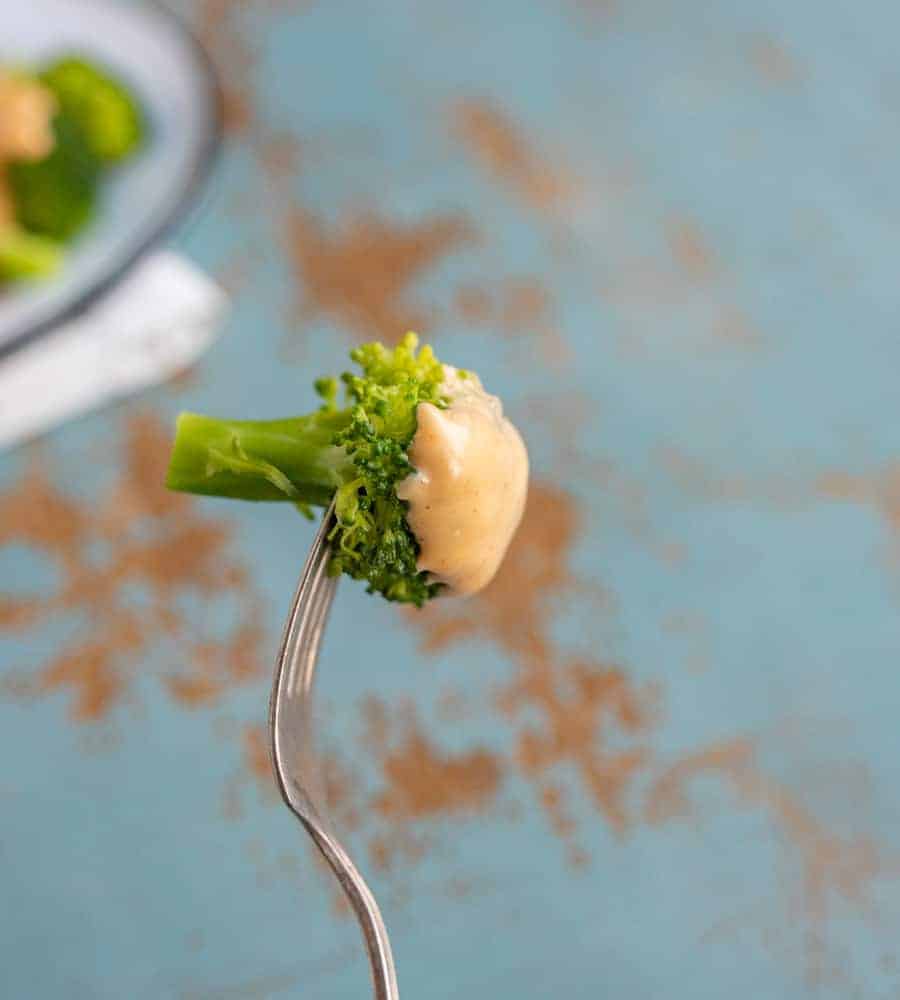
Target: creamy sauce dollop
column 26, row 119
column 467, row 494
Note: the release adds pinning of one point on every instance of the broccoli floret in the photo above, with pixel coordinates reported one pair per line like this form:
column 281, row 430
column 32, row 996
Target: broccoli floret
column 355, row 453
column 55, row 196
column 106, row 111
column 24, row 256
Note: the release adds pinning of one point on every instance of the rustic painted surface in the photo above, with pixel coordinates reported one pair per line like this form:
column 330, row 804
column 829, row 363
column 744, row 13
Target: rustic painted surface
column 659, row 757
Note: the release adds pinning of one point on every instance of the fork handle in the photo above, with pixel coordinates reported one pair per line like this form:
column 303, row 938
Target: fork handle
column 291, row 725
column 359, row 895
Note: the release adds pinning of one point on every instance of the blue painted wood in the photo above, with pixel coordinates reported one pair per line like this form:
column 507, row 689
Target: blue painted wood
column 705, row 198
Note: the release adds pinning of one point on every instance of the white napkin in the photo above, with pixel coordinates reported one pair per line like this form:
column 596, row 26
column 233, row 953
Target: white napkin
column 156, row 321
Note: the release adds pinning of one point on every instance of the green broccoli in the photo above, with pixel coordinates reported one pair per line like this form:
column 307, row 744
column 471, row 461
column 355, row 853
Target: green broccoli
column 108, row 114
column 356, row 453
column 24, row 256
column 55, row 196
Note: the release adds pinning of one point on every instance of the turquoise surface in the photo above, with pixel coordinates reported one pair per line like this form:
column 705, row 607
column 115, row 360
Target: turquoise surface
column 660, row 757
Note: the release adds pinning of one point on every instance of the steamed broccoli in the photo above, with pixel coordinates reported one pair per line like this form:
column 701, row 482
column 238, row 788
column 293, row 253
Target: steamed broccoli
column 356, row 453
column 24, row 256
column 55, row 196
column 96, row 123
column 103, row 108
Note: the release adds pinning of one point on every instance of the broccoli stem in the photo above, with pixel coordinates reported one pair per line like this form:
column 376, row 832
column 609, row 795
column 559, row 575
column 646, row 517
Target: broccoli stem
column 291, row 459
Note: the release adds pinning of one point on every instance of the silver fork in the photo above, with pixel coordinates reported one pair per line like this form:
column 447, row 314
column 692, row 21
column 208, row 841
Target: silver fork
column 293, row 751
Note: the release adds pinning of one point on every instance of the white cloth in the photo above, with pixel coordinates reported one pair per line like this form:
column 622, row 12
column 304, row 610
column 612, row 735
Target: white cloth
column 156, row 321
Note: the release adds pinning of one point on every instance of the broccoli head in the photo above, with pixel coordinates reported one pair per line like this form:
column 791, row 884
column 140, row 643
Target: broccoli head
column 354, row 452
column 24, row 256
column 55, row 196
column 97, row 123
column 104, row 109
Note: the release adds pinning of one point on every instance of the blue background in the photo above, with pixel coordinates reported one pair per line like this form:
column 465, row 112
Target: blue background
column 703, row 198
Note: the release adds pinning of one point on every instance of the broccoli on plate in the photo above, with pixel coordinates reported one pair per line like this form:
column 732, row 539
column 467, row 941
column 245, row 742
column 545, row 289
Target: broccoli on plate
column 56, row 196
column 104, row 109
column 25, row 256
column 64, row 127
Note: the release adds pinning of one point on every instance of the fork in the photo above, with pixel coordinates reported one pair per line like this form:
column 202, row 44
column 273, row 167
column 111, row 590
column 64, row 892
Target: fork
column 293, row 751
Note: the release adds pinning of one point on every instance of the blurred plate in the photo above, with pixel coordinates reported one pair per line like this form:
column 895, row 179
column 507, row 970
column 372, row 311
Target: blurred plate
column 159, row 58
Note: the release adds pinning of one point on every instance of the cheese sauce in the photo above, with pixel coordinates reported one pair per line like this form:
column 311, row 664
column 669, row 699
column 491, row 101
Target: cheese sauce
column 467, row 494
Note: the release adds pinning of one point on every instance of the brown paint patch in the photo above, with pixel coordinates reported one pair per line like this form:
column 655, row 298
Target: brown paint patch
column 89, row 670
column 420, row 785
column 394, row 824
column 880, row 491
column 566, row 714
column 125, row 563
column 585, row 708
column 737, row 328
column 877, row 491
column 553, row 802
column 37, row 515
column 772, row 61
column 668, row 798
column 256, row 755
column 361, row 271
column 691, row 251
column 343, row 793
column 499, row 146
column 846, row 487
column 279, row 155
column 17, row 612
column 527, row 304
column 254, row 769
column 453, row 706
column 515, row 308
column 226, row 40
column 215, row 666
column 223, row 28
column 474, row 304
column 833, row 866
column 682, row 295
column 421, row 781
column 400, row 847
column 237, row 111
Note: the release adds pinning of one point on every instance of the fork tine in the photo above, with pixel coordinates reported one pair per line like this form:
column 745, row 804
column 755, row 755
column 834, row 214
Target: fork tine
column 299, row 618
column 293, row 755
column 290, row 711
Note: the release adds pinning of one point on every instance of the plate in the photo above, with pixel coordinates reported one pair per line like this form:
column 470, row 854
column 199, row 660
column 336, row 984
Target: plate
column 160, row 59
